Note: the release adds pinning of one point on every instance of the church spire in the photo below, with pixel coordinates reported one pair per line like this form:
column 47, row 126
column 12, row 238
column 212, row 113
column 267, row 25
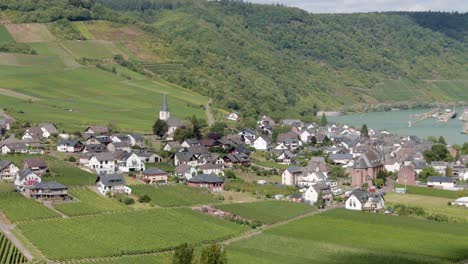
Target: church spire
column 164, row 106
column 164, row 113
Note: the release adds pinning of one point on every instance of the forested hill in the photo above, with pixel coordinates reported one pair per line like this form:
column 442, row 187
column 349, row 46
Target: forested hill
column 274, row 59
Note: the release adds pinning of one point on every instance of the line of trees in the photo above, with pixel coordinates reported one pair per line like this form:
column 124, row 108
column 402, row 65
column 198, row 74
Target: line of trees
column 213, row 254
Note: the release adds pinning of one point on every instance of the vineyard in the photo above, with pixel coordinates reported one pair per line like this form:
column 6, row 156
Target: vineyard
column 268, row 212
column 9, row 254
column 89, row 202
column 173, row 196
column 18, row 208
column 107, row 235
column 162, row 67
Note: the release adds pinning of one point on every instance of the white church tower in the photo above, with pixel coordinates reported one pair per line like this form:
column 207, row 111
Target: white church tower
column 164, row 113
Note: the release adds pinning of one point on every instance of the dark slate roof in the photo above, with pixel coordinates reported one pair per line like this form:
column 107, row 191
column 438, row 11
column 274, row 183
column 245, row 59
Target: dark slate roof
column 205, row 178
column 68, row 142
column 16, row 145
column 440, row 179
column 370, row 159
column 341, row 156
column 137, row 137
column 294, row 169
column 98, row 129
column 104, row 156
column 184, row 156
column 153, row 171
column 35, row 162
column 49, row 185
column 4, row 164
column 111, row 179
column 51, row 128
column 25, row 172
column 361, row 195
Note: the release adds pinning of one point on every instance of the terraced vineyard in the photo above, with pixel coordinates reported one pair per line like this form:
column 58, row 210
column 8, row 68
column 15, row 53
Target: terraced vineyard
column 143, row 231
column 18, row 208
column 89, row 202
column 174, row 195
column 9, row 254
column 268, row 212
column 162, row 67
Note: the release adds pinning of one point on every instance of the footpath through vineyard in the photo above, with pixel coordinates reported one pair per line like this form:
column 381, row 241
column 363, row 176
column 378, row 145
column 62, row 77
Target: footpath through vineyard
column 6, row 230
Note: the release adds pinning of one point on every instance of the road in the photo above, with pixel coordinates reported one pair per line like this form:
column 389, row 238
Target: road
column 209, row 115
column 6, row 229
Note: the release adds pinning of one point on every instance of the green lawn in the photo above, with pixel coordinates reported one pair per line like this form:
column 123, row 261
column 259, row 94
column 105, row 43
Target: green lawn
column 88, row 202
column 92, row 49
column 163, row 166
column 430, row 204
column 135, row 232
column 5, row 35
column 267, row 212
column 18, row 208
column 341, row 236
column 6, row 186
column 174, row 195
column 158, row 259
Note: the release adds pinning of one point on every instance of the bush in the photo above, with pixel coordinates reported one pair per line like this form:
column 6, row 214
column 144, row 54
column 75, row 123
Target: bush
column 144, row 199
column 72, row 159
column 127, row 200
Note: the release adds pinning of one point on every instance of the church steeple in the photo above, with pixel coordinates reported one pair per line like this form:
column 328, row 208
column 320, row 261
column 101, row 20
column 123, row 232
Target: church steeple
column 164, row 113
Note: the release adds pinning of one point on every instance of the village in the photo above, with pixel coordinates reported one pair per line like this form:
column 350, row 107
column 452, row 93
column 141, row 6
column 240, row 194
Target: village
column 324, row 164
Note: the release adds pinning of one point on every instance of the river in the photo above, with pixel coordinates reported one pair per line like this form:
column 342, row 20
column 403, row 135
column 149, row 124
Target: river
column 397, row 122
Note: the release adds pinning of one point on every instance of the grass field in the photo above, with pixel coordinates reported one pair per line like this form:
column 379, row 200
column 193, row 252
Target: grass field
column 341, row 236
column 267, row 212
column 92, row 49
column 18, row 208
column 9, row 254
column 56, row 54
column 174, row 195
column 159, row 259
column 30, row 32
column 5, row 36
column 114, row 234
column 88, row 202
column 6, row 186
column 430, row 204
column 431, row 192
column 133, row 105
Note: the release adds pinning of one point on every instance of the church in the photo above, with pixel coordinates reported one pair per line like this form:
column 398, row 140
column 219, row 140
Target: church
column 172, row 123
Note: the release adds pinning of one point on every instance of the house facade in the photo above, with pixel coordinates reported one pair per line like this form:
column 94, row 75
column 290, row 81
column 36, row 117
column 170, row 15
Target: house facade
column 102, row 163
column 26, row 178
column 154, row 176
column 113, row 184
column 48, row 191
column 212, row 182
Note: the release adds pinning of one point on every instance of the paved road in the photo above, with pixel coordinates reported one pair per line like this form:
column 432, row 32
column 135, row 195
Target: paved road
column 6, row 229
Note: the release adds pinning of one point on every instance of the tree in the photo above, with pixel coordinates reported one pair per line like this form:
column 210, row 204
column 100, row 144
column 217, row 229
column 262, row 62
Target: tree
column 378, row 182
column 214, row 254
column 112, row 126
column 323, row 120
column 320, row 203
column 442, row 141
column 448, row 171
column 160, row 128
column 438, row 152
column 183, row 133
column 426, row 172
column 218, row 128
column 183, row 254
column 230, row 174
column 364, row 131
column 197, row 126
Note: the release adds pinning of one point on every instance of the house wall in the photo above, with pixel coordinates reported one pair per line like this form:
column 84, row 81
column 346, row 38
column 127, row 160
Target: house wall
column 353, row 203
column 214, row 187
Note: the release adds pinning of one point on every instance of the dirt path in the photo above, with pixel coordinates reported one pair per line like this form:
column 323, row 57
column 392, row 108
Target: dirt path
column 209, row 115
column 5, row 115
column 6, row 229
column 12, row 93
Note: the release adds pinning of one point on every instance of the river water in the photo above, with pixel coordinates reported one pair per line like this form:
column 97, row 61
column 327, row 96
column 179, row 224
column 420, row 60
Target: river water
column 397, row 122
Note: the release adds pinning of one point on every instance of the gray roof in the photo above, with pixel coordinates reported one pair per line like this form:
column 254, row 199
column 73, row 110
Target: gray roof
column 153, row 171
column 164, row 106
column 440, row 179
column 340, row 156
column 294, row 169
column 49, row 127
column 137, row 137
column 111, row 179
column 35, row 162
column 4, row 164
column 49, row 185
column 25, row 172
column 370, row 159
column 104, row 156
column 361, row 195
column 184, row 156
column 98, row 129
column 68, row 142
column 205, row 178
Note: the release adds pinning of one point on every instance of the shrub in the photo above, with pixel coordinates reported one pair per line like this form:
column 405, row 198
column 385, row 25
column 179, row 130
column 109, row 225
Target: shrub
column 144, row 199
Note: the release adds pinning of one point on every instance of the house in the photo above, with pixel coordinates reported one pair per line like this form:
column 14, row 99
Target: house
column 392, row 165
column 458, row 168
column 285, row 157
column 172, row 146
column 289, row 140
column 98, row 139
column 116, row 146
column 236, row 159
column 154, row 175
column 318, row 164
column 212, row 182
column 8, row 170
column 48, row 129
column 95, row 148
column 37, row 165
column 215, row 169
column 128, row 162
column 312, row 194
column 311, row 178
column 306, row 136
column 190, row 143
column 6, row 123
column 185, row 172
column 440, row 167
column 365, row 169
column 35, row 133
column 48, row 191
column 463, row 201
column 187, row 158
column 121, row 138
column 70, row 146
column 361, row 200
column 441, row 182
column 342, row 159
column 112, row 183
column 291, row 176
column 137, row 140
column 407, row 175
column 148, row 157
column 96, row 130
column 14, row 147
column 260, row 143
column 26, row 178
column 172, row 123
column 232, row 116
column 295, row 198
column 102, row 163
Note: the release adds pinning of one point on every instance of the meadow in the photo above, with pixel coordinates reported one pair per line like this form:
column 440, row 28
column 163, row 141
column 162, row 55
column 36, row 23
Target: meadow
column 432, row 192
column 267, row 212
column 18, row 208
column 9, row 254
column 174, row 195
column 142, row 231
column 341, row 236
column 5, row 36
column 88, row 202
column 430, row 204
column 92, row 49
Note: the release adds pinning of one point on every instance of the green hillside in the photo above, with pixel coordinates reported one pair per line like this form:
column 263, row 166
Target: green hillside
column 259, row 58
